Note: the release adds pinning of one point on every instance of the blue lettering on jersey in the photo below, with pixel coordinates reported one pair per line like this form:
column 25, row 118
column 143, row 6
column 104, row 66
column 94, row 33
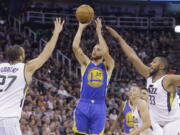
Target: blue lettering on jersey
column 94, row 82
column 152, row 90
column 8, row 69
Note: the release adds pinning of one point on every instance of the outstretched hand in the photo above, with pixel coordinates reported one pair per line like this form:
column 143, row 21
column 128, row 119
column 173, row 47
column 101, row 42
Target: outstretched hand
column 58, row 25
column 98, row 25
column 113, row 32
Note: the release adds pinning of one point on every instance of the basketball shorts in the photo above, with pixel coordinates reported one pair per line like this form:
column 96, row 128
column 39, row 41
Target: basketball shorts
column 10, row 126
column 90, row 117
column 172, row 128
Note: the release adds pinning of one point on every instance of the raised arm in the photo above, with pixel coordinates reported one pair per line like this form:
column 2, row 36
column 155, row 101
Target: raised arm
column 36, row 63
column 145, row 117
column 109, row 62
column 81, row 57
column 130, row 53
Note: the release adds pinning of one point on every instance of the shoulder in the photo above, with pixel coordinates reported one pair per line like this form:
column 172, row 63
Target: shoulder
column 170, row 76
column 172, row 79
column 168, row 79
column 149, row 78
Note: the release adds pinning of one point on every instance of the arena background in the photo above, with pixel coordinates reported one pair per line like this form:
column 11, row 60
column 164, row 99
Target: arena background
column 147, row 25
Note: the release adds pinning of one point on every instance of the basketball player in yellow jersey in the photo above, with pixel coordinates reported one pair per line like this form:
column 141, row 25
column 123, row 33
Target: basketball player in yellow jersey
column 15, row 77
column 161, row 87
column 90, row 112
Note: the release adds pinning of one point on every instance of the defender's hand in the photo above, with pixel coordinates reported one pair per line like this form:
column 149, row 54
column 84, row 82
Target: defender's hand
column 58, row 25
column 98, row 25
column 113, row 32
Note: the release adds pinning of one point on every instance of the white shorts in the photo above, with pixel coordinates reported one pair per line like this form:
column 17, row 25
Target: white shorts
column 10, row 126
column 172, row 128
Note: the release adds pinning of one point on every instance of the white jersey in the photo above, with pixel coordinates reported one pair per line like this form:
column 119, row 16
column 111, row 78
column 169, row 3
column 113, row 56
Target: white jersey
column 12, row 89
column 164, row 105
column 138, row 122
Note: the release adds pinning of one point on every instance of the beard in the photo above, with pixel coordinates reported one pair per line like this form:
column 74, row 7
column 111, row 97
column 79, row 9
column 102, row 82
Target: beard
column 153, row 72
column 96, row 58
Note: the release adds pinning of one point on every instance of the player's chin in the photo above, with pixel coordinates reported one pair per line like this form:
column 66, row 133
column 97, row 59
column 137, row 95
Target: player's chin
column 94, row 57
column 152, row 70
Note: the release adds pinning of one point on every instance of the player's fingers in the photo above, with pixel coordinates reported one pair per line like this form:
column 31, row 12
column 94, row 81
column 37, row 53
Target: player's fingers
column 62, row 22
column 59, row 20
column 97, row 19
column 56, row 21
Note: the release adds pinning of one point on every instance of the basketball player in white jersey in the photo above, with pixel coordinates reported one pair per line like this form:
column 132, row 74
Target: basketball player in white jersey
column 161, row 87
column 15, row 78
column 142, row 117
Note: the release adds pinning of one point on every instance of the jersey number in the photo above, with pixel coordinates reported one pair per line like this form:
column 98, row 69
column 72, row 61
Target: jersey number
column 152, row 99
column 3, row 81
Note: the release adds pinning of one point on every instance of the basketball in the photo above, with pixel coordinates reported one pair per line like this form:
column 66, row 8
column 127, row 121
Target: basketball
column 84, row 14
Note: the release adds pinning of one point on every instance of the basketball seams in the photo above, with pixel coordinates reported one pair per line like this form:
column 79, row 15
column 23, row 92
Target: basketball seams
column 84, row 14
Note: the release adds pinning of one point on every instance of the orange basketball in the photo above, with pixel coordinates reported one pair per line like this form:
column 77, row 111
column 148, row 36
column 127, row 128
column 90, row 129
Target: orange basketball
column 84, row 13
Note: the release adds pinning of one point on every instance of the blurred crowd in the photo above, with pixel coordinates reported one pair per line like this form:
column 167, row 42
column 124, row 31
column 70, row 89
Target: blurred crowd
column 147, row 43
column 115, row 10
column 52, row 97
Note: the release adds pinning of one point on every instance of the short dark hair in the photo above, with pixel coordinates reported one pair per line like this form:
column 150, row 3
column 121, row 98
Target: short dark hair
column 143, row 88
column 13, row 53
column 164, row 62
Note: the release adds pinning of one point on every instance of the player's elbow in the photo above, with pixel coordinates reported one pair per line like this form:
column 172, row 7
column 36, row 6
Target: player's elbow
column 75, row 48
column 147, row 124
column 113, row 63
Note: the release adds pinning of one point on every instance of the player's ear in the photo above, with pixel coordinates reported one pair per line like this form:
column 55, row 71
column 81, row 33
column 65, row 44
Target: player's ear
column 21, row 58
column 161, row 66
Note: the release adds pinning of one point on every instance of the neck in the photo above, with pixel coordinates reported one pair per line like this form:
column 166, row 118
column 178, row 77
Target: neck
column 97, row 61
column 130, row 102
column 14, row 62
column 134, row 101
column 159, row 74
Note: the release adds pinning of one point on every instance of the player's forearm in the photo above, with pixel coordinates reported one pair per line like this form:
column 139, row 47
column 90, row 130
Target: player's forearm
column 48, row 49
column 126, row 48
column 140, row 129
column 102, row 43
column 77, row 39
